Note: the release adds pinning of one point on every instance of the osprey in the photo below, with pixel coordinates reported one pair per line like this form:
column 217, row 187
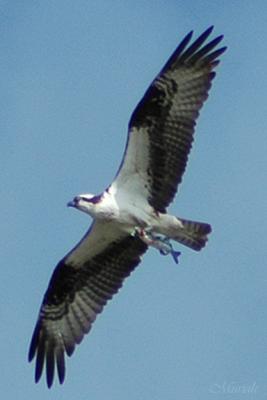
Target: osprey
column 130, row 214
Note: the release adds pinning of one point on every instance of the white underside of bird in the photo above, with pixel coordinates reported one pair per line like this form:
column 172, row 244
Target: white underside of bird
column 125, row 212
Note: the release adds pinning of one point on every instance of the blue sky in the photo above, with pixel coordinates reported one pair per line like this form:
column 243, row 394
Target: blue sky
column 72, row 73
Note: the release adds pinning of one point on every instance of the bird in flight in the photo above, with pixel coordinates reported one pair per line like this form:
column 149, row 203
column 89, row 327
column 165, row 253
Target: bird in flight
column 131, row 214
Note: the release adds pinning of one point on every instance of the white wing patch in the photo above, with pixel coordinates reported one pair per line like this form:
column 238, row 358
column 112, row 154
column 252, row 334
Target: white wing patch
column 133, row 177
column 97, row 239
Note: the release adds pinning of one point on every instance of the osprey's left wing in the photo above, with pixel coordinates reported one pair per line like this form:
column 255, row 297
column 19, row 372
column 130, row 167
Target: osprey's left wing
column 80, row 286
column 162, row 126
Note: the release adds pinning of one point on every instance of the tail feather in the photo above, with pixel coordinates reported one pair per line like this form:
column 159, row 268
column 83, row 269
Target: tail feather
column 193, row 234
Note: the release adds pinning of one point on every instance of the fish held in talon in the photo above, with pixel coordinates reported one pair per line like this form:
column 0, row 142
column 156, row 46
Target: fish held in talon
column 161, row 243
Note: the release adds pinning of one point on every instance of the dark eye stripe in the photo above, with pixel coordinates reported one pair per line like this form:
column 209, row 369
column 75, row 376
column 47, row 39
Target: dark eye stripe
column 94, row 200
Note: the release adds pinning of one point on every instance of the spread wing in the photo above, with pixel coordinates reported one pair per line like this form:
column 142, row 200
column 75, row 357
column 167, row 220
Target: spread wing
column 162, row 126
column 80, row 286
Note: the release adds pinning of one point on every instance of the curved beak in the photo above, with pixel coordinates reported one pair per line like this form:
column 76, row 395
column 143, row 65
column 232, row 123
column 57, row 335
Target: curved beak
column 74, row 202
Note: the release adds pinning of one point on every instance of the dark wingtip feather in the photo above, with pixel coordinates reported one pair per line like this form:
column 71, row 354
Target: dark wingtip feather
column 215, row 54
column 205, row 49
column 32, row 351
column 196, row 44
column 184, row 42
column 209, row 30
column 69, row 348
column 39, row 363
column 34, row 343
column 50, row 365
column 61, row 366
column 49, row 380
column 206, row 33
column 179, row 50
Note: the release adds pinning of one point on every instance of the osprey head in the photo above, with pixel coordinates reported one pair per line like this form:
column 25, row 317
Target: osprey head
column 85, row 202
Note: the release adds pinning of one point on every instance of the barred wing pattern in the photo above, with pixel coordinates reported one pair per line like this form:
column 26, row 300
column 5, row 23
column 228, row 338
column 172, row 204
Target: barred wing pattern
column 162, row 126
column 75, row 295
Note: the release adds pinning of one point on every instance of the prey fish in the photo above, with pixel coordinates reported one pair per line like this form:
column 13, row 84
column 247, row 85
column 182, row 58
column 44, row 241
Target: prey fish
column 161, row 243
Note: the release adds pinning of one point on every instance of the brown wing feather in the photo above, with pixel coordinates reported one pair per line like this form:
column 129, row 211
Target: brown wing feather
column 166, row 118
column 74, row 298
